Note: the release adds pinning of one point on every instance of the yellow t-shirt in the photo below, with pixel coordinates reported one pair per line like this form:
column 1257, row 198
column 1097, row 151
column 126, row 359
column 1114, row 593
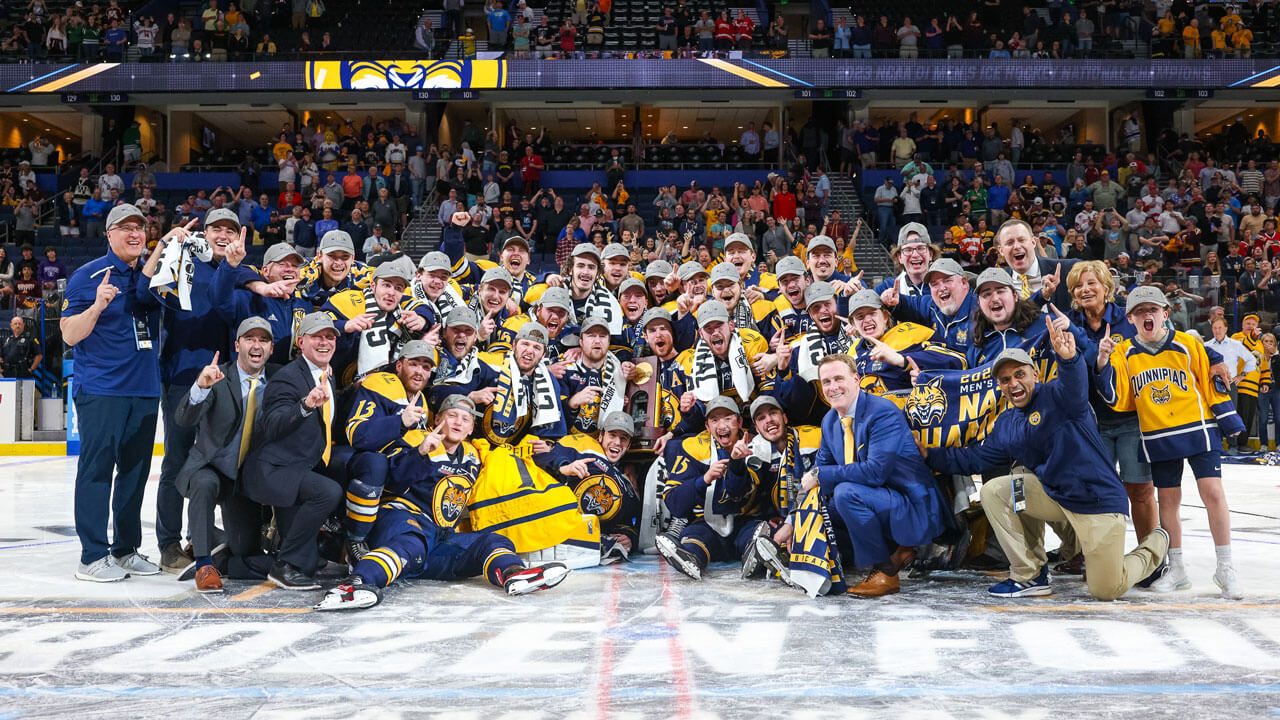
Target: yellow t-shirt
column 1219, row 39
column 1191, row 37
column 1242, row 38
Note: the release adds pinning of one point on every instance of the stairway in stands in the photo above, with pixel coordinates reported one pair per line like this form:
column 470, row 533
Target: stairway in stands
column 422, row 234
column 869, row 254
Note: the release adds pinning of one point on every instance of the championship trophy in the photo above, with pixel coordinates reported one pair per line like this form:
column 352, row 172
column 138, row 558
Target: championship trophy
column 644, row 404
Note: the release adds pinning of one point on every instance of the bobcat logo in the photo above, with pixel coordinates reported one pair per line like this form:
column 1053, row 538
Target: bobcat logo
column 599, row 495
column 451, row 500
column 1160, row 394
column 927, row 404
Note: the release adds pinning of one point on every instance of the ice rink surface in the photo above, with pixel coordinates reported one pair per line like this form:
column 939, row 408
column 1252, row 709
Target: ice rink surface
column 633, row 641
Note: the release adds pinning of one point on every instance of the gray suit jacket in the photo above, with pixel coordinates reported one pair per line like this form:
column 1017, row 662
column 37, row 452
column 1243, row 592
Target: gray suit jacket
column 218, row 420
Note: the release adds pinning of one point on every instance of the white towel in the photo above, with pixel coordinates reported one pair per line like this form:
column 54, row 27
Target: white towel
column 722, row 524
column 613, row 388
column 546, row 409
column 602, row 304
column 706, row 381
column 176, row 271
column 813, row 348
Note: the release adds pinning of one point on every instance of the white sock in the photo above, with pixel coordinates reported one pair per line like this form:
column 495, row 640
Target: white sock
column 1224, row 555
column 1175, row 557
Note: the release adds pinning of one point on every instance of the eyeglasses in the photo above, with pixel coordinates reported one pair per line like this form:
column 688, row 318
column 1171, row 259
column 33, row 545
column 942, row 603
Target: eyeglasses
column 915, row 250
column 130, row 228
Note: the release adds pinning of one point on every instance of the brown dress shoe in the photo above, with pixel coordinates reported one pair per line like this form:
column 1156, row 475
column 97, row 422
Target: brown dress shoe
column 208, row 580
column 877, row 584
column 1074, row 566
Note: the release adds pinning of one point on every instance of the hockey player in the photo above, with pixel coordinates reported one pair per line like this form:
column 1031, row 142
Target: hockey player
column 375, row 322
column 387, row 422
column 591, row 467
column 713, row 490
column 793, row 321
column 727, row 360
column 1164, row 375
column 784, row 453
column 520, row 395
column 594, row 385
column 414, row 535
column 797, row 384
column 887, row 353
column 554, row 311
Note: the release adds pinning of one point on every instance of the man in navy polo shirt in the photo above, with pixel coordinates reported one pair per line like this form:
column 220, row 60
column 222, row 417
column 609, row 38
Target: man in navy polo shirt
column 111, row 319
column 191, row 337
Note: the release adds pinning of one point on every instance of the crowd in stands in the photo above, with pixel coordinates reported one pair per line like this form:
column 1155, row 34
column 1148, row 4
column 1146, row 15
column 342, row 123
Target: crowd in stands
column 993, row 29
column 1190, row 207
column 217, row 30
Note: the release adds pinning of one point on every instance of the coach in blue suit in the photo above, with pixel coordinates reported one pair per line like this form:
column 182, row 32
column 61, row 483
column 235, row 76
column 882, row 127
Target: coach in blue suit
column 880, row 487
column 1037, row 278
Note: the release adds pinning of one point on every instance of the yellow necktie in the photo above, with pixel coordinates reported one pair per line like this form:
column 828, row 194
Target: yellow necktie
column 850, row 445
column 250, row 408
column 325, row 417
column 1024, row 287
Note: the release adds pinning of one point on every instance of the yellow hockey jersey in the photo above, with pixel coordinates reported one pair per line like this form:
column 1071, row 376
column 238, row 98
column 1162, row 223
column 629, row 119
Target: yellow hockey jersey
column 1251, row 383
column 1180, row 411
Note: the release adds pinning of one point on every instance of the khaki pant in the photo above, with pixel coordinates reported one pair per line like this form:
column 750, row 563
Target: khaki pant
column 1109, row 571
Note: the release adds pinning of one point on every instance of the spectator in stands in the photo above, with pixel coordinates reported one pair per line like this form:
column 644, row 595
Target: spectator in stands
column 886, row 196
column 706, row 31
column 724, row 32
column 820, row 39
column 499, row 22
column 908, row 36
column 568, row 39
column 743, row 30
column 289, row 197
column 666, row 29
column 95, row 214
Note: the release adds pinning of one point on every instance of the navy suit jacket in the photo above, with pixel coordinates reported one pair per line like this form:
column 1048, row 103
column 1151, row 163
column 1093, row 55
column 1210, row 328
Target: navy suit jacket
column 885, row 456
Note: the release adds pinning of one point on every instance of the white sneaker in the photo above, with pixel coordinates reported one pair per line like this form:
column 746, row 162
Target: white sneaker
column 138, row 564
column 1225, row 578
column 1175, row 579
column 102, row 570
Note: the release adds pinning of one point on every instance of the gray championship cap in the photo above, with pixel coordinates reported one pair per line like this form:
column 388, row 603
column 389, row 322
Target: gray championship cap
column 821, row 241
column 1017, row 355
column 315, row 322
column 435, row 260
column 946, row 266
column 462, row 317
column 394, row 270
column 913, row 228
column 995, row 275
column 613, row 250
column 724, row 271
column 336, row 240
column 419, row 349
column 497, row 274
column 1145, row 294
column 458, row 402
column 222, row 215
column 534, row 331
column 659, row 269
column 618, row 421
column 764, row 401
column 515, row 240
column 586, row 249
column 594, row 321
column 818, row 292
column 123, row 212
column 254, row 323
column 738, row 239
column 789, row 265
column 279, row 252
column 689, row 270
column 654, row 314
column 722, row 402
column 631, row 284
column 864, row 299
column 712, row 311
column 556, row 297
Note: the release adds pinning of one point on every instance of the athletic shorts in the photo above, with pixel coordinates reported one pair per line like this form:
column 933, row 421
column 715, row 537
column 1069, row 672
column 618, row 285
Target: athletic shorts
column 1168, row 473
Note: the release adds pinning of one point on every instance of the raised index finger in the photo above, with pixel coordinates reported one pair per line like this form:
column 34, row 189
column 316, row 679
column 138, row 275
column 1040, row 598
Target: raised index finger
column 214, row 361
column 106, row 277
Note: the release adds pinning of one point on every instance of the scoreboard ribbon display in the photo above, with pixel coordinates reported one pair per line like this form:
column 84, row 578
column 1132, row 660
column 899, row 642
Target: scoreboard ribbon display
column 808, row 78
